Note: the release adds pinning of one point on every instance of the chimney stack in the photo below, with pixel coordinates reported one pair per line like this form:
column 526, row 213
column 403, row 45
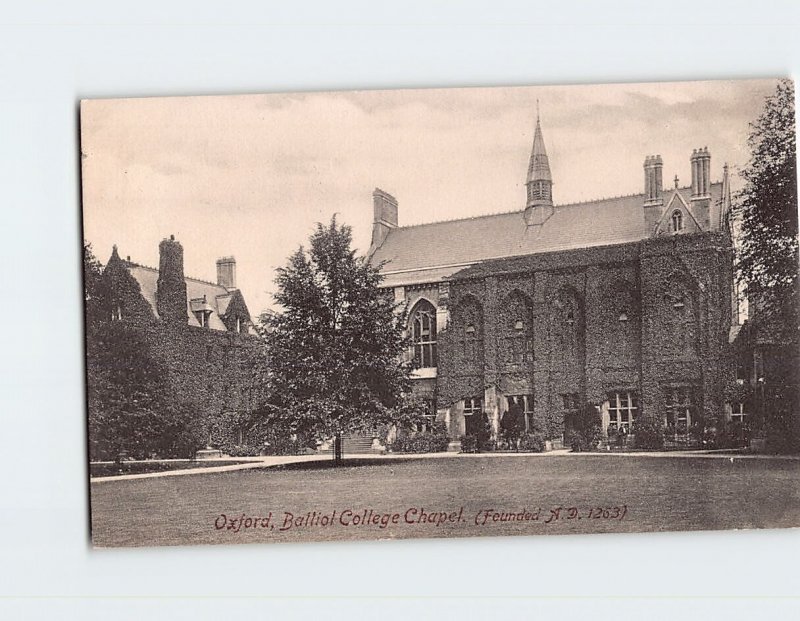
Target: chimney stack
column 701, row 187
column 653, row 190
column 171, row 286
column 653, row 178
column 226, row 272
column 701, row 172
column 384, row 219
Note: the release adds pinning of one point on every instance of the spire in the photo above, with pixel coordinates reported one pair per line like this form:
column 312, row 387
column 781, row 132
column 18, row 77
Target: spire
column 725, row 208
column 539, row 182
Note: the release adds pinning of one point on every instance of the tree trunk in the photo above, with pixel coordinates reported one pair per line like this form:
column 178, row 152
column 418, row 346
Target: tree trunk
column 337, row 449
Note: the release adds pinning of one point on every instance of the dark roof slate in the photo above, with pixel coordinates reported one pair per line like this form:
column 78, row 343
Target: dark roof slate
column 432, row 252
column 217, row 297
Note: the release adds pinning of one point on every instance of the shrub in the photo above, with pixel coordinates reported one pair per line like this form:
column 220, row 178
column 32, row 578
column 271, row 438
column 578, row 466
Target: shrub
column 469, row 444
column 734, row 435
column 239, row 450
column 583, row 429
column 532, row 442
column 780, row 434
column 434, row 441
column 649, row 433
column 485, row 442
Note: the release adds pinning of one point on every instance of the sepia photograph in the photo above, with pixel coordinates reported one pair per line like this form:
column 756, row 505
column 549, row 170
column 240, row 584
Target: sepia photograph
column 446, row 312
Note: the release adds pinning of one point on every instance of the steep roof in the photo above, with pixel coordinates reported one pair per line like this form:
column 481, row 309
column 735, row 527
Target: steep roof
column 432, row 252
column 217, row 297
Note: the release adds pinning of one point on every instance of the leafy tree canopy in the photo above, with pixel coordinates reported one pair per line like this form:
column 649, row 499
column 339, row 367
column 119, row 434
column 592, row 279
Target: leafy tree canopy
column 335, row 347
column 767, row 257
column 93, row 287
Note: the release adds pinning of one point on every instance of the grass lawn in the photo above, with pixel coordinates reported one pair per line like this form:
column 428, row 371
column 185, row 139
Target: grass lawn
column 587, row 493
column 142, row 467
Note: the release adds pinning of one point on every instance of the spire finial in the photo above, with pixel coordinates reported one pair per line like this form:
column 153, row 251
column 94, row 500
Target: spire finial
column 539, row 182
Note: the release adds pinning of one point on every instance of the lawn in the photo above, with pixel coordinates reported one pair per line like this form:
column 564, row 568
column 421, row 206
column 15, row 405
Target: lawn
column 452, row 496
column 107, row 469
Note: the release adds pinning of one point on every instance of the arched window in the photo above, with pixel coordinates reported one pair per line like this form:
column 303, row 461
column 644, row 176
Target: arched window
column 517, row 330
column 423, row 335
column 679, row 317
column 620, row 331
column 468, row 322
column 677, row 221
column 568, row 322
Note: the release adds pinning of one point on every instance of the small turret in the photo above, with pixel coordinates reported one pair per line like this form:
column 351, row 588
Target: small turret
column 539, row 183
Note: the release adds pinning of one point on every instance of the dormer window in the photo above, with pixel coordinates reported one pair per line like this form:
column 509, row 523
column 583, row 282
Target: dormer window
column 519, row 326
column 202, row 310
column 116, row 313
column 470, row 330
column 570, row 318
column 238, row 325
column 677, row 221
column 623, row 316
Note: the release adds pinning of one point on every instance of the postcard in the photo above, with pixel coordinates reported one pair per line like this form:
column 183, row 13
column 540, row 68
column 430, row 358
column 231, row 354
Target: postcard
column 439, row 313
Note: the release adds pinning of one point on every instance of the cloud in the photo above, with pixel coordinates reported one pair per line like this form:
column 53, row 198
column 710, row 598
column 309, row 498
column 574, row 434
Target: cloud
column 250, row 175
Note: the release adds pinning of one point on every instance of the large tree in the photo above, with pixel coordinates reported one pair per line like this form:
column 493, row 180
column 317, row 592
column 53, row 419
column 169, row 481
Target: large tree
column 335, row 345
column 767, row 257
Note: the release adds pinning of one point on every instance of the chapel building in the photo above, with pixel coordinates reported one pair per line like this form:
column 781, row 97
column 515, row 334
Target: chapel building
column 626, row 303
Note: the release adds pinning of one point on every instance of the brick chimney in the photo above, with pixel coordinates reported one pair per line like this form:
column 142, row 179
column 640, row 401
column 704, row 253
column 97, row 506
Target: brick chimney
column 171, row 286
column 653, row 191
column 226, row 272
column 384, row 218
column 701, row 186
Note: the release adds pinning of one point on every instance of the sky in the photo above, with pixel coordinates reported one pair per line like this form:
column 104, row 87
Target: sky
column 250, row 175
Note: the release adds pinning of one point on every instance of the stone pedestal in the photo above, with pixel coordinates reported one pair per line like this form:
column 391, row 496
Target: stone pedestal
column 208, row 453
column 454, row 446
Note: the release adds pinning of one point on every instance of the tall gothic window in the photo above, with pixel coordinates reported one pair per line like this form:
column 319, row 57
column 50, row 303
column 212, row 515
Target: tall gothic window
column 621, row 323
column 517, row 330
column 423, row 335
column 568, row 329
column 679, row 317
column 468, row 321
column 677, row 221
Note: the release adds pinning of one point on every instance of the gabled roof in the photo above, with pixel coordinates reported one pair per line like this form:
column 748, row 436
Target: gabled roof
column 431, row 252
column 217, row 297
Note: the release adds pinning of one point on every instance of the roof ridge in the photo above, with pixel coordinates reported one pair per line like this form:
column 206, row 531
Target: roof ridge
column 185, row 277
column 478, row 217
column 520, row 211
column 557, row 206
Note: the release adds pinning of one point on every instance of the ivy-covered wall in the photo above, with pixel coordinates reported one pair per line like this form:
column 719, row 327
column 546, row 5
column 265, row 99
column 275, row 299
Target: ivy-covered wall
column 208, row 369
column 584, row 323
